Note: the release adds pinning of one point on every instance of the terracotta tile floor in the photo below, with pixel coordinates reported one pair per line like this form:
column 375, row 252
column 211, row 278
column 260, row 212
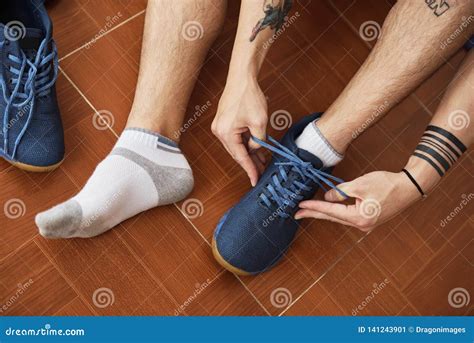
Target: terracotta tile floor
column 159, row 262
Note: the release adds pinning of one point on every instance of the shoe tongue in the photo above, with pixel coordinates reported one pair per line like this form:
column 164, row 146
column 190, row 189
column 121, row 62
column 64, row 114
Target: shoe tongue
column 306, row 156
column 309, row 157
column 31, row 39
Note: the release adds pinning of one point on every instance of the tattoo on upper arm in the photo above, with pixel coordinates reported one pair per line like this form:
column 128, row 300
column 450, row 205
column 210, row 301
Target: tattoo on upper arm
column 438, row 6
column 275, row 15
column 440, row 148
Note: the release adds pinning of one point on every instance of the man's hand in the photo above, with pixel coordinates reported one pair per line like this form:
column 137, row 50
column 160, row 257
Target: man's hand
column 242, row 112
column 378, row 197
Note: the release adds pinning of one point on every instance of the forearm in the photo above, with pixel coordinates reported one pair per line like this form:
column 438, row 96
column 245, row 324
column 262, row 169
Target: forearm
column 256, row 26
column 408, row 51
column 455, row 116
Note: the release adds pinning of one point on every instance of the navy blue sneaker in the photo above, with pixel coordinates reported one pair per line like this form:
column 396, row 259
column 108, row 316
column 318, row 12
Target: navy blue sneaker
column 253, row 235
column 31, row 132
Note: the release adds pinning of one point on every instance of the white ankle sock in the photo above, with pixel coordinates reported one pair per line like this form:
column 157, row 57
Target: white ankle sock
column 143, row 170
column 313, row 141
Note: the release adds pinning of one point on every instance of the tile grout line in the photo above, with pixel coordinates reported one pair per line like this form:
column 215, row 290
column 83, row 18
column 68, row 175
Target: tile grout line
column 327, row 271
column 69, row 282
column 331, row 298
column 192, row 224
column 149, row 272
column 350, row 24
column 253, row 295
column 85, row 99
column 432, row 258
column 378, row 266
column 303, row 293
column 101, row 36
column 15, row 251
column 67, row 304
column 236, row 276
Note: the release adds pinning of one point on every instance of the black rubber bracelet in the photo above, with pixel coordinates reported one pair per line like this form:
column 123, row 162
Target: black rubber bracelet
column 412, row 179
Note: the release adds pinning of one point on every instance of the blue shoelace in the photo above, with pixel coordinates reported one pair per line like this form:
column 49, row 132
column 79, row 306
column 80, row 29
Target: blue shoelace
column 290, row 196
column 32, row 79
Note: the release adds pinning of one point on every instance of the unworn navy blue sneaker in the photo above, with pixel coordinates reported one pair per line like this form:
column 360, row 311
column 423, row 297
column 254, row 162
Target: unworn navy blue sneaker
column 31, row 132
column 253, row 235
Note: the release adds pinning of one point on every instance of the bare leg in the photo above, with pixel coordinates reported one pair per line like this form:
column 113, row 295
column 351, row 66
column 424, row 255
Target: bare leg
column 177, row 37
column 145, row 168
column 409, row 50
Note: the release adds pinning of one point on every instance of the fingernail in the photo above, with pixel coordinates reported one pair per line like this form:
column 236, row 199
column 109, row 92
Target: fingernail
column 298, row 216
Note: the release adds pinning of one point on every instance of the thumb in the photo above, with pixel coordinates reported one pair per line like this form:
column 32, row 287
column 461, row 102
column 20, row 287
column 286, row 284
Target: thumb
column 352, row 189
column 259, row 132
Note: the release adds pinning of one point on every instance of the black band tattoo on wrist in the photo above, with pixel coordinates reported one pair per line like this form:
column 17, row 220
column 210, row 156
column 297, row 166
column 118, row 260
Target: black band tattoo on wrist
column 447, row 135
column 434, row 154
column 440, row 148
column 275, row 15
column 438, row 6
